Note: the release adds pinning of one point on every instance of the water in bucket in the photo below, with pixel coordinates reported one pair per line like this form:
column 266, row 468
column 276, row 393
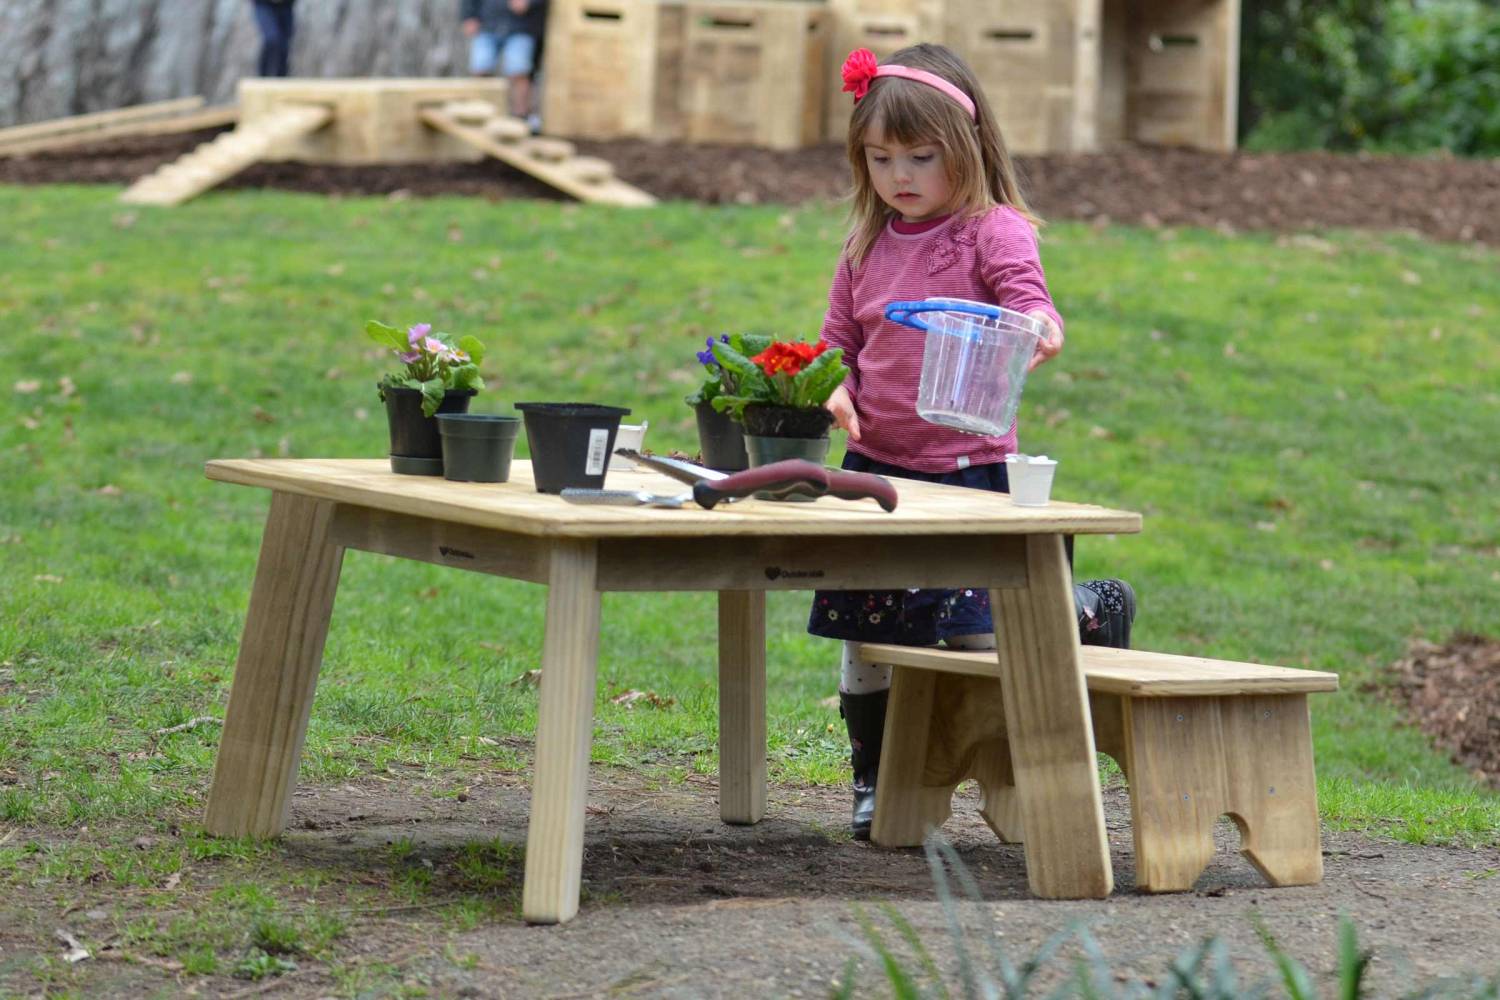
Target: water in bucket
column 974, row 362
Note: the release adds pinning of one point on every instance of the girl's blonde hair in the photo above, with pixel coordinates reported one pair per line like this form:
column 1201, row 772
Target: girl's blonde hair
column 980, row 174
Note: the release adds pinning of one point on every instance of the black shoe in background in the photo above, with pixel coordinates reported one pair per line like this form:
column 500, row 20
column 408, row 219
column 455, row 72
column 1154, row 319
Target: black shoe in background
column 1106, row 610
column 864, row 715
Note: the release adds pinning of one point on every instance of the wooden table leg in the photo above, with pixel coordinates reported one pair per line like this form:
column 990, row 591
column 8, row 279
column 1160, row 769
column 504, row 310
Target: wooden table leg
column 276, row 671
column 564, row 734
column 742, row 706
column 1051, row 740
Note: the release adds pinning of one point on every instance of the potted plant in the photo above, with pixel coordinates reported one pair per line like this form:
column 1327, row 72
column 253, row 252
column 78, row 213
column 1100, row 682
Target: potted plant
column 778, row 394
column 437, row 377
column 721, row 440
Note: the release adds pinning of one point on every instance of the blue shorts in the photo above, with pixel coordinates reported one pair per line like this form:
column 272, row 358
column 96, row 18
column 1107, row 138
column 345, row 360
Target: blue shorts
column 515, row 54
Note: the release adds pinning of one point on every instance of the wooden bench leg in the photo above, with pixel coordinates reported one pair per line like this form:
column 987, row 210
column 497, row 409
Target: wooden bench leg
column 941, row 729
column 906, row 807
column 1192, row 760
column 276, row 671
column 1051, row 738
column 564, row 735
column 1174, row 749
column 1273, row 794
column 742, row 706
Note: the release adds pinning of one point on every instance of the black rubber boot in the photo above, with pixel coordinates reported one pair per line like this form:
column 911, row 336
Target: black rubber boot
column 864, row 715
column 1106, row 610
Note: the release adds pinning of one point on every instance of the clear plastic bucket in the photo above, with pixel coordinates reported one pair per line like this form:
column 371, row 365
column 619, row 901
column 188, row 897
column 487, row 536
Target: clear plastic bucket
column 974, row 362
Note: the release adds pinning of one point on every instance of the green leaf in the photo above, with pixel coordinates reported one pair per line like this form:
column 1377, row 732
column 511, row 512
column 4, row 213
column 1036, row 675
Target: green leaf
column 387, row 336
column 465, row 377
column 816, row 382
column 471, row 346
column 432, row 396
column 1294, row 978
column 1352, row 961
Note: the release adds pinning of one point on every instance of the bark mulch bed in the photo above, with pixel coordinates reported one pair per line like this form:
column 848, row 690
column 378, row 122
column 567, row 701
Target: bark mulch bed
column 1440, row 197
column 1452, row 691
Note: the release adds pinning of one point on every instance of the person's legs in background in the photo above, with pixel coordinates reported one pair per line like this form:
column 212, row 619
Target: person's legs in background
column 517, row 60
column 276, row 23
column 864, row 689
column 484, row 53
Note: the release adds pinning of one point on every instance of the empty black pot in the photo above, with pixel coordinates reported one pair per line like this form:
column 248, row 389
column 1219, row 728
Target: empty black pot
column 477, row 446
column 570, row 443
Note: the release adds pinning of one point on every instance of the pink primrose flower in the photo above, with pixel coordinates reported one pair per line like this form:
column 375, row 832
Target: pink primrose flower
column 415, row 334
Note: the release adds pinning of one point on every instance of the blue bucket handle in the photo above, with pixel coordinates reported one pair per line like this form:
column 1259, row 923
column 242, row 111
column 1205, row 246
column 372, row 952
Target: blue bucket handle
column 909, row 313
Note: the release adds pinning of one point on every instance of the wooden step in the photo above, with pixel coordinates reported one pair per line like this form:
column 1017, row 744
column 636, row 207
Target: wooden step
column 506, row 129
column 223, row 157
column 548, row 150
column 552, row 161
column 591, row 169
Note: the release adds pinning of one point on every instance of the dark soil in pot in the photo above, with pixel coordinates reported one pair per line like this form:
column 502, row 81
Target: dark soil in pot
column 762, row 420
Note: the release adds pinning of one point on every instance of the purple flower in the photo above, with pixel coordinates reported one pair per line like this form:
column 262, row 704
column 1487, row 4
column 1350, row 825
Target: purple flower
column 415, row 334
column 411, row 357
column 707, row 357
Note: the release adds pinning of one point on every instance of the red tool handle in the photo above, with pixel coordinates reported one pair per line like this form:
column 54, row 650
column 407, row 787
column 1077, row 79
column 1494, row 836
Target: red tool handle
column 794, row 475
column 858, row 485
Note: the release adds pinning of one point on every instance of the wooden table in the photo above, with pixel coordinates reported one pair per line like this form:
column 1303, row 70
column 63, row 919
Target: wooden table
column 938, row 537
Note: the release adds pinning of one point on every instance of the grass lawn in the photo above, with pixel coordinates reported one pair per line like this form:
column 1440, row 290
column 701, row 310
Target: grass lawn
column 1307, row 423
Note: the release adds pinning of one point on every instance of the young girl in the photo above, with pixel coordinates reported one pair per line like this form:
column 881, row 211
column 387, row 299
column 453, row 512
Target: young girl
column 937, row 212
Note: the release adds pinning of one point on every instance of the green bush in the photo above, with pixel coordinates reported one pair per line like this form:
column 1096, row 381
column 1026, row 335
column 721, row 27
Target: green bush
column 1398, row 75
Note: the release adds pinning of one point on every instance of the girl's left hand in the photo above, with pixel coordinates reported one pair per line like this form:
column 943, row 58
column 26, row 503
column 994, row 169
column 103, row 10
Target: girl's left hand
column 1051, row 344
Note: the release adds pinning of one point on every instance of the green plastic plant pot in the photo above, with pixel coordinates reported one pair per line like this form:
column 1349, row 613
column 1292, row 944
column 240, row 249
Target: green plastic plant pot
column 477, row 447
column 765, row 450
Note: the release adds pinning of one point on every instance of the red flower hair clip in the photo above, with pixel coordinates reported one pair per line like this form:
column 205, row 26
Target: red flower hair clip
column 858, row 71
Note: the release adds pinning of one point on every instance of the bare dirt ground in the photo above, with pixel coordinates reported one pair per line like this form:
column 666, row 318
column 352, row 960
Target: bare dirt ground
column 676, row 904
column 1441, row 197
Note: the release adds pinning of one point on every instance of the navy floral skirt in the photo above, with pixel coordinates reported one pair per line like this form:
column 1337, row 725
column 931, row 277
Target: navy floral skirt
column 908, row 617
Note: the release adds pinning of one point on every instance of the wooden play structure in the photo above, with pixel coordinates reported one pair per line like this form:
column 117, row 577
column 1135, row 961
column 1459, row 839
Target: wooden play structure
column 1063, row 75
column 345, row 122
column 380, row 121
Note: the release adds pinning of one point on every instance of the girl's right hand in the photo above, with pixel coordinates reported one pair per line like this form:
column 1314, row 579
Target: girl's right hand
column 841, row 405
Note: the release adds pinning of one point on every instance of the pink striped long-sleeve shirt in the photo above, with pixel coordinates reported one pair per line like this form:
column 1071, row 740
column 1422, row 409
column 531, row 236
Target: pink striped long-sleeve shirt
column 990, row 258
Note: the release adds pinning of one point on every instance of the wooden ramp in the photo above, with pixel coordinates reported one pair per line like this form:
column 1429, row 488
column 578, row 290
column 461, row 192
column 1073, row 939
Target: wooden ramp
column 216, row 161
column 160, row 118
column 552, row 161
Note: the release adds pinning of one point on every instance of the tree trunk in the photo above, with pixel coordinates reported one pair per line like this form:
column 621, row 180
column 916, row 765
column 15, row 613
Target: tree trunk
column 68, row 57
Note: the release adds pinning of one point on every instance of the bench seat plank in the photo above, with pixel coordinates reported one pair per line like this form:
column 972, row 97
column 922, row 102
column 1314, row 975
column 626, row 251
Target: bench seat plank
column 1132, row 672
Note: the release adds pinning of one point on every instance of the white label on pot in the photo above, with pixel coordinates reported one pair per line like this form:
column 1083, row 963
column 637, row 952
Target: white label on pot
column 598, row 451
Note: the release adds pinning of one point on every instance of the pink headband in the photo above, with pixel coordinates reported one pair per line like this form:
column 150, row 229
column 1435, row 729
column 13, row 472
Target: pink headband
column 860, row 68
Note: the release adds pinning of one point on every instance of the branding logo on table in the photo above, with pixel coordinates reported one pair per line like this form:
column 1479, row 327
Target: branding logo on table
column 777, row 573
column 453, row 553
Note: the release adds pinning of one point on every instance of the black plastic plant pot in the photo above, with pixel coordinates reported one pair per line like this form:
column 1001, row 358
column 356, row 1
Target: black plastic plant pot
column 477, row 447
column 570, row 443
column 416, row 447
column 721, row 440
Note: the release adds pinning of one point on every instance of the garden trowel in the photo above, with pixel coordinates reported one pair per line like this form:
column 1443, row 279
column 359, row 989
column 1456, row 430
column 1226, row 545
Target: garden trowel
column 794, row 475
column 710, row 487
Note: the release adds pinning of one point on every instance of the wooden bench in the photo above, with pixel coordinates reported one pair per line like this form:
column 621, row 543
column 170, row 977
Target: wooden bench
column 1196, row 738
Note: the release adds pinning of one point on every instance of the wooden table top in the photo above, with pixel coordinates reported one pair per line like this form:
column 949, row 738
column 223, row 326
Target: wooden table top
column 516, row 506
